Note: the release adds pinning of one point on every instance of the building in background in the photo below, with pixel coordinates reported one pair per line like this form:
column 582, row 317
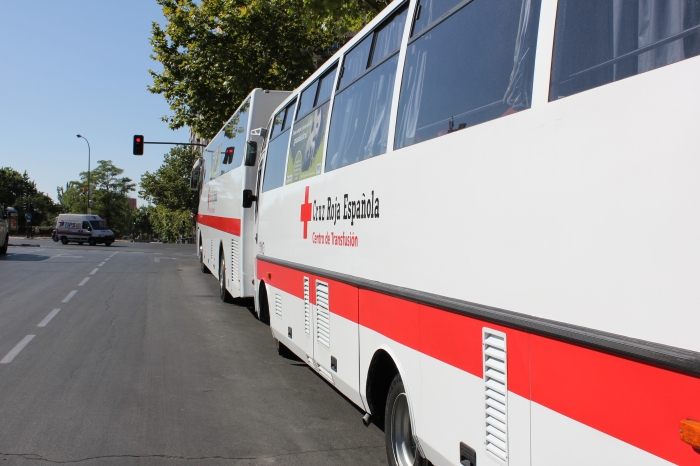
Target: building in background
column 132, row 203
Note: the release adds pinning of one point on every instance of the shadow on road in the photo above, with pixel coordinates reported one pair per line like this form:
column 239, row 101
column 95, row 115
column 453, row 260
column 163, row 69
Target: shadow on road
column 23, row 258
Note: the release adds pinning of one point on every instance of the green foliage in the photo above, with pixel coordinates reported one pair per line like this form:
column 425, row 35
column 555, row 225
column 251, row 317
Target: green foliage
column 169, row 186
column 108, row 196
column 171, row 224
column 15, row 188
column 14, row 185
column 169, row 189
column 214, row 52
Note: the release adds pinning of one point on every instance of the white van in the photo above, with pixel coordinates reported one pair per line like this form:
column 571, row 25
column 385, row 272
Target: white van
column 81, row 228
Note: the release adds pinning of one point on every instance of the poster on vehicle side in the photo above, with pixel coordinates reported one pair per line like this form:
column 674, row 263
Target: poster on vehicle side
column 306, row 149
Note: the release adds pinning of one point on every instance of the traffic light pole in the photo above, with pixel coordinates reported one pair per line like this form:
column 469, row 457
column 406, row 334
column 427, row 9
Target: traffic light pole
column 178, row 143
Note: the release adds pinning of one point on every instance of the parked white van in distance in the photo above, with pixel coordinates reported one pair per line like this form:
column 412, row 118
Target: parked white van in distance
column 81, row 228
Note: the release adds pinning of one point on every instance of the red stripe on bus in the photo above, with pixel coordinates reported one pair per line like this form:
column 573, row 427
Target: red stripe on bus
column 634, row 402
column 342, row 297
column 637, row 403
column 225, row 224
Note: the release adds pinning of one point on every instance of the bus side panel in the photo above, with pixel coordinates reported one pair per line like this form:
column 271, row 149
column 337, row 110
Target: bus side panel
column 613, row 398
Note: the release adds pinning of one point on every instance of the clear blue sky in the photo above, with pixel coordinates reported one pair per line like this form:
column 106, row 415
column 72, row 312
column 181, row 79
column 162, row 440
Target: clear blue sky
column 78, row 67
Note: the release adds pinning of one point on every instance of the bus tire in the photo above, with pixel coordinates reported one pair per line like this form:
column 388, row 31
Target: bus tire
column 64, row 240
column 202, row 267
column 263, row 305
column 223, row 292
column 401, row 448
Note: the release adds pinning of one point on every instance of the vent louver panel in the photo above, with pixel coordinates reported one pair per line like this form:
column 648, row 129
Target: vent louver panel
column 307, row 307
column 235, row 265
column 496, row 395
column 323, row 316
column 211, row 250
column 278, row 305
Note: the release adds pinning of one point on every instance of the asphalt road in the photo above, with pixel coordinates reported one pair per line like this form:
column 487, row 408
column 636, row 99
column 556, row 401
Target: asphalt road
column 144, row 365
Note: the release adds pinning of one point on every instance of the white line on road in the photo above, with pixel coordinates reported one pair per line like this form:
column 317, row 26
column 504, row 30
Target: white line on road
column 15, row 351
column 157, row 259
column 107, row 259
column 101, row 264
column 94, row 271
column 85, row 280
column 48, row 318
column 70, row 295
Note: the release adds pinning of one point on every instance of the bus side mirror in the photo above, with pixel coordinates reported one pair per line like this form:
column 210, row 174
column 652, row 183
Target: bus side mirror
column 248, row 198
column 251, row 153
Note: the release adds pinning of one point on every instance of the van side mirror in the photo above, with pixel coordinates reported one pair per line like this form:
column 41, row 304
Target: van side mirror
column 248, row 198
column 251, row 153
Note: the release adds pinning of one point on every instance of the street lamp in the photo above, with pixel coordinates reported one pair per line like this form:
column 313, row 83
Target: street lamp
column 88, row 190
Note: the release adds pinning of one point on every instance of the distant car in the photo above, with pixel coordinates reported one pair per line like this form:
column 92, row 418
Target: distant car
column 126, row 237
column 81, row 228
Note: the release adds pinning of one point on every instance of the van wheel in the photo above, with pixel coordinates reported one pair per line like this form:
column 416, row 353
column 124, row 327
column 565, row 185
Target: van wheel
column 92, row 241
column 401, row 449
column 64, row 240
column 81, row 242
column 107, row 243
column 223, row 292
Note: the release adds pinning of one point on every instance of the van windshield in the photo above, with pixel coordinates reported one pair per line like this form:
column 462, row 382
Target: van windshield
column 99, row 224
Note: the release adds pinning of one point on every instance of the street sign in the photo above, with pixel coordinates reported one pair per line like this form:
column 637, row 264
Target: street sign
column 28, row 217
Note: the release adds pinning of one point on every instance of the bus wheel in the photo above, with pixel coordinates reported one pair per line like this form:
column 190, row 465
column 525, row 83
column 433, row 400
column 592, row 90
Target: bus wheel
column 223, row 292
column 202, row 267
column 401, row 448
column 263, row 305
column 64, row 240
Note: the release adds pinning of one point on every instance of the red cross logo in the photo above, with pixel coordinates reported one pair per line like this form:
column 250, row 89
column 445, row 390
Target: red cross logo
column 306, row 211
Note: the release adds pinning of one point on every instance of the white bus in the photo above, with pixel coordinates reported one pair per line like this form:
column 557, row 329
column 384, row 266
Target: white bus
column 224, row 229
column 479, row 222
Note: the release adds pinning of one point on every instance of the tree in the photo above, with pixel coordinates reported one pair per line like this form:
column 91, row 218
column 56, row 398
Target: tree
column 108, row 195
column 169, row 186
column 16, row 188
column 14, row 185
column 214, row 52
column 169, row 189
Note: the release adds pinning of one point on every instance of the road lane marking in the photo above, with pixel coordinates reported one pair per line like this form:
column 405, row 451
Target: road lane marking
column 94, row 271
column 70, row 295
column 107, row 259
column 48, row 318
column 85, row 280
column 157, row 259
column 15, row 351
column 101, row 264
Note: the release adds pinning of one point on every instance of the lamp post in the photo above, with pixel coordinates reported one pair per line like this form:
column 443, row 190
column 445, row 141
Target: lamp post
column 88, row 189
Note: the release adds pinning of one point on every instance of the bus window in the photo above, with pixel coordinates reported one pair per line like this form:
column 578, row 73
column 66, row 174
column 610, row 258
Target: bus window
column 356, row 60
column 277, row 124
column 289, row 115
column 306, row 102
column 274, row 162
column 429, row 11
column 235, row 138
column 474, row 66
column 601, row 41
column 360, row 120
column 306, row 144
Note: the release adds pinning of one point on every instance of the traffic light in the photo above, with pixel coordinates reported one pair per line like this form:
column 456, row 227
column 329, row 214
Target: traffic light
column 24, row 205
column 138, row 144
